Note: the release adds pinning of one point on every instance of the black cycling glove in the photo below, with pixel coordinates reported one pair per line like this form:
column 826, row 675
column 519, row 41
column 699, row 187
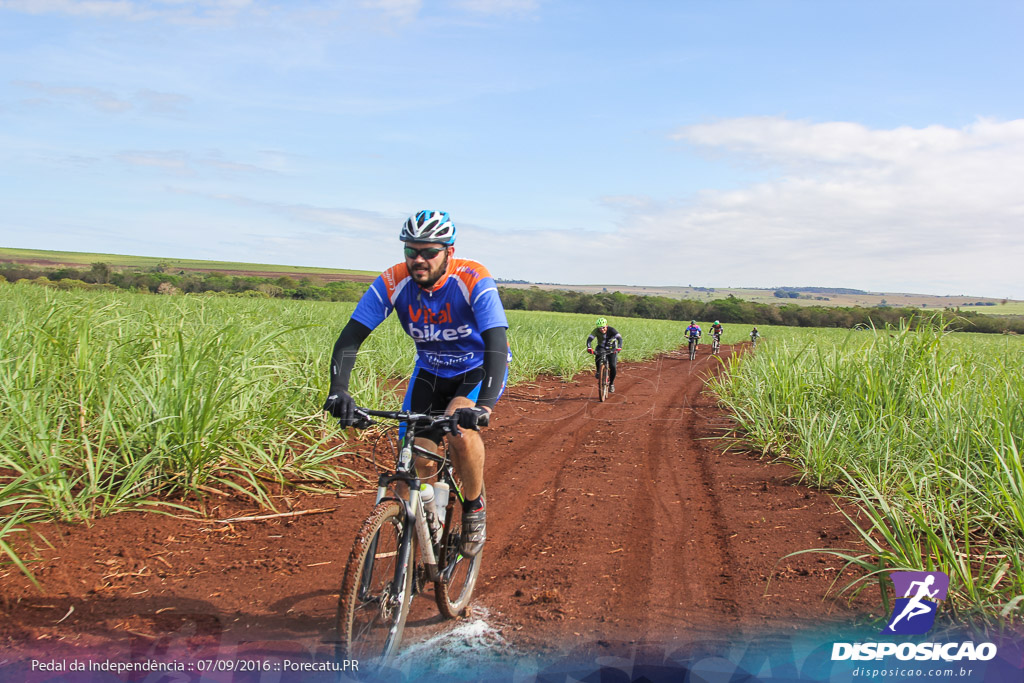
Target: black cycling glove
column 341, row 405
column 470, row 418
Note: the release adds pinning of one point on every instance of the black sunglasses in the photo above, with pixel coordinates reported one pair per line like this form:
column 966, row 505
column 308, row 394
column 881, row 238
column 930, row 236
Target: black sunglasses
column 427, row 252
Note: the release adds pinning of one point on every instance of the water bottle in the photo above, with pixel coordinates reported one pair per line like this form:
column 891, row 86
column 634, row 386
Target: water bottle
column 427, row 501
column 441, row 493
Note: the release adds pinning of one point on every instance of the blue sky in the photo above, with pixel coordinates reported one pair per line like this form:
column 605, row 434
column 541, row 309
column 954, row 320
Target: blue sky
column 875, row 145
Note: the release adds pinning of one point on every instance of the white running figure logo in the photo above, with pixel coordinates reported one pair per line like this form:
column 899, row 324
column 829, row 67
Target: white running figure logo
column 914, row 607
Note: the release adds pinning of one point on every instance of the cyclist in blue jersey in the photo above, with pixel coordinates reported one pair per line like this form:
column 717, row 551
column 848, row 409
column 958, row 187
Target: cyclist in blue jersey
column 693, row 330
column 451, row 309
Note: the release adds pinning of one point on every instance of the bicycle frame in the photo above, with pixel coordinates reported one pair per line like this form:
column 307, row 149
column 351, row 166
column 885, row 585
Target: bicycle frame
column 385, row 571
column 405, row 472
column 602, row 355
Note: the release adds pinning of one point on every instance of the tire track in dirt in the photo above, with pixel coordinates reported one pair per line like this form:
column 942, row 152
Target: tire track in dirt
column 621, row 528
column 685, row 532
column 629, row 535
column 552, row 439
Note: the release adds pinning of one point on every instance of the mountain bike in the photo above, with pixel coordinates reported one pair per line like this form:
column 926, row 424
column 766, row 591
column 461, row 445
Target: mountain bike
column 383, row 572
column 753, row 340
column 603, row 373
column 693, row 346
column 716, row 343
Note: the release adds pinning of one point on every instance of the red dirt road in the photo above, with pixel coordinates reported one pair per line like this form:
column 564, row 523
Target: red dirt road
column 613, row 527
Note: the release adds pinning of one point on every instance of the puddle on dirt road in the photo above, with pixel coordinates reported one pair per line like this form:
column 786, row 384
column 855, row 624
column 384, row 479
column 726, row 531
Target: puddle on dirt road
column 463, row 652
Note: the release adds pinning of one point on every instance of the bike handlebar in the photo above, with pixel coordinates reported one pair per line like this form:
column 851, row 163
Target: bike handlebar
column 448, row 423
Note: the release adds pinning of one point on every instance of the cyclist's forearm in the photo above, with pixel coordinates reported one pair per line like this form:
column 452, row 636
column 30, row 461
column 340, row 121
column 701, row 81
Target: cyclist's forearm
column 495, row 364
column 343, row 358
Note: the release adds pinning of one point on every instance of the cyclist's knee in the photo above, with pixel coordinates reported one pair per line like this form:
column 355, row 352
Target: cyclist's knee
column 459, row 402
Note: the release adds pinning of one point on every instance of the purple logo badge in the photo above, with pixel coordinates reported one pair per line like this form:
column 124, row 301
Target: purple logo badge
column 917, row 598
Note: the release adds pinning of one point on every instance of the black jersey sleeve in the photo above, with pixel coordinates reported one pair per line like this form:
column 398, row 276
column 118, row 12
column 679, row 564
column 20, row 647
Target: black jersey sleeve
column 343, row 358
column 495, row 364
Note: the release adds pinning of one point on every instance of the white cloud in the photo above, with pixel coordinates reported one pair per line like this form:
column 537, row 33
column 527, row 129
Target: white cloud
column 401, row 10
column 95, row 98
column 169, row 104
column 99, row 8
column 931, row 210
column 181, row 163
column 176, row 11
column 843, row 141
column 497, row 6
column 225, row 11
column 846, row 205
column 325, row 220
column 176, row 162
column 149, row 101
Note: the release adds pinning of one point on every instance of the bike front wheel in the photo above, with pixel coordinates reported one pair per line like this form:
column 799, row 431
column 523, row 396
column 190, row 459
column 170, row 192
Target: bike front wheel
column 602, row 382
column 377, row 588
column 693, row 350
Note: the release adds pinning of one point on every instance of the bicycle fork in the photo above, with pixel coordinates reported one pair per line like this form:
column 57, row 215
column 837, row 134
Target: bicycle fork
column 423, row 535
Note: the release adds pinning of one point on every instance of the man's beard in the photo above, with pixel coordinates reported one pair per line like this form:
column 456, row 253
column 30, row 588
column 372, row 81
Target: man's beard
column 442, row 269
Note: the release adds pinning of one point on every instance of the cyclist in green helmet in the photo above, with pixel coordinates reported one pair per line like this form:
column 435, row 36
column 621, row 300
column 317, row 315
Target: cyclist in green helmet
column 608, row 339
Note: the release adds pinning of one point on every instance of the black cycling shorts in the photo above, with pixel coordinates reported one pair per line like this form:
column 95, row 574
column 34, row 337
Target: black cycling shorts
column 431, row 394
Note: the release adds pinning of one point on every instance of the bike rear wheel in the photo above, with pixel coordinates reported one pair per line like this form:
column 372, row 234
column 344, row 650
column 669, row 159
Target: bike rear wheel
column 602, row 382
column 376, row 591
column 458, row 572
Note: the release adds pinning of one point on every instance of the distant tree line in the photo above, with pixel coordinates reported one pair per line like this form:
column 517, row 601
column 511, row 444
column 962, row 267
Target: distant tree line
column 157, row 281
column 823, row 290
column 729, row 310
column 738, row 311
column 794, row 294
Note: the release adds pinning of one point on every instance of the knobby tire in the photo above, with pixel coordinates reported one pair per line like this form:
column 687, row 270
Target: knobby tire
column 602, row 381
column 368, row 629
column 455, row 589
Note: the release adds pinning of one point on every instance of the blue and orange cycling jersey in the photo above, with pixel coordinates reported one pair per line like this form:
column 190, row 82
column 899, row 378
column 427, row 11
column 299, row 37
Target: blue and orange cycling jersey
column 444, row 321
column 693, row 331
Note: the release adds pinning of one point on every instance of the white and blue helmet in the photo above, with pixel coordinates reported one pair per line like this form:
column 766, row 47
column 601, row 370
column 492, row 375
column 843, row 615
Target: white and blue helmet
column 429, row 226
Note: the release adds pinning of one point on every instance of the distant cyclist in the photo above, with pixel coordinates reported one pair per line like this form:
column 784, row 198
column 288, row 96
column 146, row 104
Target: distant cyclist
column 609, row 340
column 716, row 331
column 451, row 309
column 754, row 336
column 693, row 331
